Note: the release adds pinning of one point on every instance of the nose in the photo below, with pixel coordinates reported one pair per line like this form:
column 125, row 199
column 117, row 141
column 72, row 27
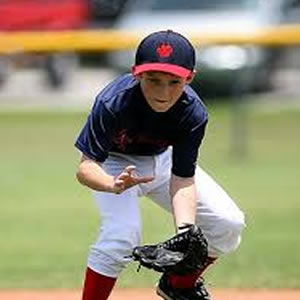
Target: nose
column 164, row 92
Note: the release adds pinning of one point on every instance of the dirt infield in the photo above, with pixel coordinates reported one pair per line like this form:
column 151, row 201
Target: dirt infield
column 149, row 294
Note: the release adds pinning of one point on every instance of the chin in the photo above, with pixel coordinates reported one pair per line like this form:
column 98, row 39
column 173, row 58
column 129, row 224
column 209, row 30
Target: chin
column 160, row 109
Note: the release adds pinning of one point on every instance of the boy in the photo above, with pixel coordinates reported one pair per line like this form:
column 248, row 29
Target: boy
column 142, row 139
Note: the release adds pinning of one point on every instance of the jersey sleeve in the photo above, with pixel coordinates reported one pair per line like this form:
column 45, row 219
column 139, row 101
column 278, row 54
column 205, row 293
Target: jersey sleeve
column 95, row 138
column 185, row 152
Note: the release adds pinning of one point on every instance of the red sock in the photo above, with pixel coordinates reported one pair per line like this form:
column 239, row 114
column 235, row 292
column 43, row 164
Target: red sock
column 188, row 281
column 97, row 286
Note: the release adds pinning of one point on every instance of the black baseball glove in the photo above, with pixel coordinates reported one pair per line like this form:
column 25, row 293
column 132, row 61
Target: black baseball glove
column 182, row 254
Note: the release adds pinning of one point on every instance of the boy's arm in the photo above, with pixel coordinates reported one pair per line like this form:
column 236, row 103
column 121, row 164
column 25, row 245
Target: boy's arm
column 91, row 174
column 183, row 197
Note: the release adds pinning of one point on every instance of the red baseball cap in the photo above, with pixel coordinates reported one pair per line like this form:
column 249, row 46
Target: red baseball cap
column 165, row 51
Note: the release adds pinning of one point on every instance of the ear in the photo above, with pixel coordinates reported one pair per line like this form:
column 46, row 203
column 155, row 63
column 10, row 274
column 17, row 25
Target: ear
column 133, row 73
column 190, row 78
column 132, row 69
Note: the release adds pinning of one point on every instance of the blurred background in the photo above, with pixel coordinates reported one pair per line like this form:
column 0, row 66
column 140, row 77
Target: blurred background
column 250, row 82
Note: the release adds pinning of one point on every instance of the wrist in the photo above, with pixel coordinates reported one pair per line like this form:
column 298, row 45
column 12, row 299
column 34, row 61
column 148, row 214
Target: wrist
column 183, row 227
column 109, row 185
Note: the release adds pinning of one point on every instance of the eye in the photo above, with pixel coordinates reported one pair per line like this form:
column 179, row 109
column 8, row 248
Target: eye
column 154, row 80
column 174, row 82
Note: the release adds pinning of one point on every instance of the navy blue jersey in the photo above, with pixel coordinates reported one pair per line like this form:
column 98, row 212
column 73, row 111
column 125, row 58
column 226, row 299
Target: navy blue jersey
column 122, row 121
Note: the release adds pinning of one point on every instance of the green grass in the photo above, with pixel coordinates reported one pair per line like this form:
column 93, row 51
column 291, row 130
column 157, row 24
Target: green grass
column 47, row 220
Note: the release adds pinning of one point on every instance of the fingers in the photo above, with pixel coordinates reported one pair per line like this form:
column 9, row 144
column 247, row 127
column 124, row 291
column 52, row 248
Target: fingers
column 145, row 179
column 128, row 178
column 128, row 172
column 130, row 169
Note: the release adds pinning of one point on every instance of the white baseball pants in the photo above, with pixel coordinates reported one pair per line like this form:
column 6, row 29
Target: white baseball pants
column 217, row 215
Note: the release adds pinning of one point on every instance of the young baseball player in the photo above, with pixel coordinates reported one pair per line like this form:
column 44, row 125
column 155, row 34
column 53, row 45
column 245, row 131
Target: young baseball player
column 142, row 138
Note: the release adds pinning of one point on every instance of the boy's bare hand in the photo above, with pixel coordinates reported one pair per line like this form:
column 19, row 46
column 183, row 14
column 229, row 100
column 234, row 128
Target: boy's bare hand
column 128, row 179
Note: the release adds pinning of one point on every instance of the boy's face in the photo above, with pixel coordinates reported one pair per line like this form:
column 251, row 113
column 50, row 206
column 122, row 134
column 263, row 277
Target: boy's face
column 162, row 90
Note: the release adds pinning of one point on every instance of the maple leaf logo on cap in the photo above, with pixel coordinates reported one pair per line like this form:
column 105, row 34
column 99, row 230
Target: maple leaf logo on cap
column 164, row 50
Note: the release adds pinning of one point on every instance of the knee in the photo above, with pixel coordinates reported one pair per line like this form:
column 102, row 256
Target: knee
column 226, row 235
column 236, row 224
column 233, row 228
column 109, row 255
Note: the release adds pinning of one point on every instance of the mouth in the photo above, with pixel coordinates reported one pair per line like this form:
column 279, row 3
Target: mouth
column 161, row 101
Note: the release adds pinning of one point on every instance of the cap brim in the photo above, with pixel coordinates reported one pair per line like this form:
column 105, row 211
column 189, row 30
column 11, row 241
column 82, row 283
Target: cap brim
column 168, row 68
